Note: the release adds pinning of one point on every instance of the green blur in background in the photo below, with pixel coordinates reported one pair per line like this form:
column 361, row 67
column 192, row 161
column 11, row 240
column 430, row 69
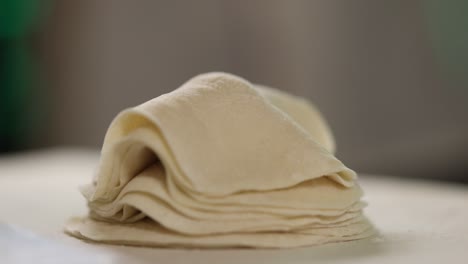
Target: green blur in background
column 18, row 20
column 448, row 27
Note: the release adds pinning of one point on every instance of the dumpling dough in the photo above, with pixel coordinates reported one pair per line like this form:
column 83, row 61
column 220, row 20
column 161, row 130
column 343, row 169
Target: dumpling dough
column 303, row 112
column 220, row 162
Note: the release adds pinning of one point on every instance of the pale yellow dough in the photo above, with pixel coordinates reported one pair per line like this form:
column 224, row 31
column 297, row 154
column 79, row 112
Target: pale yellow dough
column 221, row 162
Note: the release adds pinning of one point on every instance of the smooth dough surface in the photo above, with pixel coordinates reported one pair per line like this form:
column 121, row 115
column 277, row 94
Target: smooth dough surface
column 147, row 233
column 221, row 162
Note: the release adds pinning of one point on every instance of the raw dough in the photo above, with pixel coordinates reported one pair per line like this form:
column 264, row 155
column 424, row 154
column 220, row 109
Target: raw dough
column 221, row 162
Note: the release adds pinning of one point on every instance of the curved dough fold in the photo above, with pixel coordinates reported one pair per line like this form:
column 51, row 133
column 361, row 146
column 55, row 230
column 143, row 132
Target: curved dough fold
column 221, row 162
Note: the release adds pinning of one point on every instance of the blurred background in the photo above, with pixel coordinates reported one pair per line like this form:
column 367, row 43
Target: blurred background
column 390, row 76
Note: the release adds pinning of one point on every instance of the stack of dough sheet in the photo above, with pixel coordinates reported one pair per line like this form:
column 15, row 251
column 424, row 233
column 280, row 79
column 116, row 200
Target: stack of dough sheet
column 220, row 162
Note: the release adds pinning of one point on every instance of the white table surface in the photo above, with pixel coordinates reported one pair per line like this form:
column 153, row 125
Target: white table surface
column 419, row 221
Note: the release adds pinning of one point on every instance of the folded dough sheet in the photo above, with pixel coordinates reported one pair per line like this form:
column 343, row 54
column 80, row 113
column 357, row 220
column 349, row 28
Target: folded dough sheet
column 220, row 162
